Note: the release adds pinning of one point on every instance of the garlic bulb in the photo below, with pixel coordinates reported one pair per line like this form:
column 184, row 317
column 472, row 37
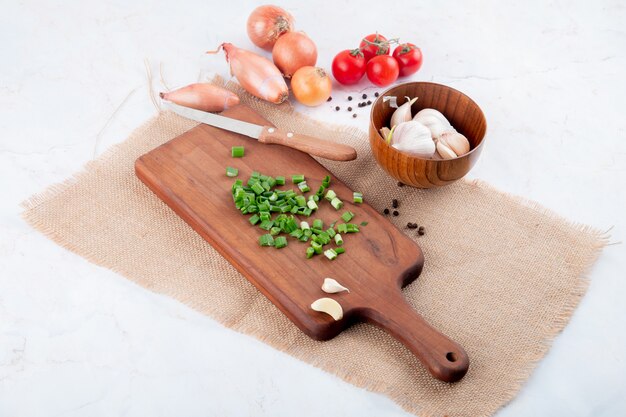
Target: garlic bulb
column 452, row 144
column 414, row 138
column 331, row 286
column 402, row 113
column 328, row 306
column 436, row 125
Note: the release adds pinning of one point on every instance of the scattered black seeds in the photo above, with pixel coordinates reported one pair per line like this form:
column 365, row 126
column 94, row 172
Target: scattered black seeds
column 369, row 102
column 394, row 203
column 329, row 98
column 411, row 225
column 386, row 211
column 400, row 184
column 349, row 108
column 395, row 213
column 376, row 94
column 349, row 98
column 337, row 108
column 354, row 115
column 364, row 96
column 421, row 231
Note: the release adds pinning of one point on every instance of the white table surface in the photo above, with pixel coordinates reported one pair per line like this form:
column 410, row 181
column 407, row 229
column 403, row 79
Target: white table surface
column 80, row 340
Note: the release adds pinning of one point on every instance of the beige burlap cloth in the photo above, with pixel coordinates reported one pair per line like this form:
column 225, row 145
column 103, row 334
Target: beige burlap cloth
column 502, row 275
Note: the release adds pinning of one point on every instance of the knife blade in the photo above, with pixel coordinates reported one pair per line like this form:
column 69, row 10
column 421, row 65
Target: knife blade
column 269, row 134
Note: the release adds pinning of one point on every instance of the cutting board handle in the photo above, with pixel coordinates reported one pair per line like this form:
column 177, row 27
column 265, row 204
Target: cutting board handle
column 444, row 358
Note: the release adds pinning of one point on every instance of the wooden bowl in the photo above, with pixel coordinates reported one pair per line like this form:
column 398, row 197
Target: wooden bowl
column 462, row 112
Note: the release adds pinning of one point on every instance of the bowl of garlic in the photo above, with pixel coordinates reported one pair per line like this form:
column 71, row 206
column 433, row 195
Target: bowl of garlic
column 426, row 134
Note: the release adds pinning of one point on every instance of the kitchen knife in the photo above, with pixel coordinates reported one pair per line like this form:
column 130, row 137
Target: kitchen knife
column 268, row 134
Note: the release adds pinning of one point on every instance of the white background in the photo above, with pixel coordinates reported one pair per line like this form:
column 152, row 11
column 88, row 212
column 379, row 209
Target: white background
column 79, row 340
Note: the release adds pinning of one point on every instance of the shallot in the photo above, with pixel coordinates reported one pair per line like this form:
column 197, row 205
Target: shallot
column 202, row 96
column 266, row 23
column 256, row 74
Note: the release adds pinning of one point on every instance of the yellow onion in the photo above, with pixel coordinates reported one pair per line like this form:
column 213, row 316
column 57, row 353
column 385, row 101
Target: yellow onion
column 293, row 51
column 266, row 23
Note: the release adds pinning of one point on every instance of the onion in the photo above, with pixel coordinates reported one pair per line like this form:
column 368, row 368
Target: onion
column 256, row 74
column 202, row 96
column 311, row 86
column 292, row 51
column 266, row 24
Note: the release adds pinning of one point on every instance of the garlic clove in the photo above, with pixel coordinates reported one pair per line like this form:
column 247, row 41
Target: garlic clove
column 435, row 124
column 444, row 151
column 331, row 286
column 434, row 113
column 384, row 132
column 328, row 306
column 456, row 142
column 402, row 113
column 414, row 138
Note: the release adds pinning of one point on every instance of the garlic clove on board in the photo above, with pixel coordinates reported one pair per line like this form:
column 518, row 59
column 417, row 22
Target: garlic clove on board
column 414, row 138
column 331, row 286
column 402, row 113
column 435, row 124
column 328, row 306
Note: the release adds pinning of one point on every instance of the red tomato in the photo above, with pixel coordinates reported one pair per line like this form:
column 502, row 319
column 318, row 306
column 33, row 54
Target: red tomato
column 382, row 70
column 349, row 66
column 409, row 58
column 373, row 45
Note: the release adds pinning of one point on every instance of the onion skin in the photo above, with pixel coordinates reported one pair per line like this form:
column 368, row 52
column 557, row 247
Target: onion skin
column 256, row 74
column 292, row 51
column 202, row 96
column 266, row 24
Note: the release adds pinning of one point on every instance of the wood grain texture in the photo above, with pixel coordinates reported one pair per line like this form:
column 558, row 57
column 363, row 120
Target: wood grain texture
column 188, row 173
column 462, row 112
column 308, row 144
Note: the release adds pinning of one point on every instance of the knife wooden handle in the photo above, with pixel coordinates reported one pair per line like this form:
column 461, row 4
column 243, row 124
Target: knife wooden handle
column 309, row 144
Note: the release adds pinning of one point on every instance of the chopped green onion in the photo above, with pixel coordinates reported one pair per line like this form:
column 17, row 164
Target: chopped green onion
column 347, row 216
column 331, row 232
column 326, row 181
column 300, row 200
column 304, row 187
column 304, row 225
column 320, row 191
column 330, row 194
column 266, row 240
column 266, row 224
column 237, row 151
column 342, row 228
column 310, row 252
column 352, row 228
column 298, row 178
column 298, row 233
column 231, row 172
column 307, row 212
column 318, row 224
column 317, row 247
column 280, row 180
column 255, row 174
column 280, row 242
column 254, row 220
column 364, row 223
column 312, row 204
column 338, row 240
column 339, row 250
column 308, row 232
column 314, row 197
column 330, row 254
column 336, row 203
column 274, row 231
column 257, row 188
column 357, row 197
column 324, row 238
column 303, row 238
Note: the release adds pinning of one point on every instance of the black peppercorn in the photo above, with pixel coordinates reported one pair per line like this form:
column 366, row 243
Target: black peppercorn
column 349, row 98
column 354, row 115
column 349, row 108
column 329, row 98
column 369, row 102
column 376, row 94
column 337, row 108
column 386, row 211
column 411, row 225
column 394, row 203
column 421, row 231
column 400, row 184
column 364, row 95
column 395, row 213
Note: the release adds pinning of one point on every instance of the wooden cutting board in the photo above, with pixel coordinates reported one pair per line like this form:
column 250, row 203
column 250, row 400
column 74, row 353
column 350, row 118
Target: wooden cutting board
column 188, row 174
